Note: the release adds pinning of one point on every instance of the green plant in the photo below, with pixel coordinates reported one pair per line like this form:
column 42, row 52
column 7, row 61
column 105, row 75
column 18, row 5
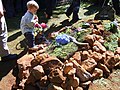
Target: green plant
column 63, row 51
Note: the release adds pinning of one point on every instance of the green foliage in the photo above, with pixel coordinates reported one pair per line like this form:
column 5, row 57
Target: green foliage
column 81, row 34
column 64, row 51
column 111, row 27
column 112, row 41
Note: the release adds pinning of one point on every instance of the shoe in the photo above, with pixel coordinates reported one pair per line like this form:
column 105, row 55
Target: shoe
column 9, row 57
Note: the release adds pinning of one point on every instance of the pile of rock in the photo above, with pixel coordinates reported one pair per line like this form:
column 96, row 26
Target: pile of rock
column 40, row 70
column 49, row 73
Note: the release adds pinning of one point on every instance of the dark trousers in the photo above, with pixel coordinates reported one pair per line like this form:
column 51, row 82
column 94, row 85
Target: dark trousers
column 50, row 5
column 30, row 39
column 74, row 8
column 115, row 5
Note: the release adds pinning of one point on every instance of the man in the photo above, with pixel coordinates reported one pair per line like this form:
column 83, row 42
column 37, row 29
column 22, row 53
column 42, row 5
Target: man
column 4, row 51
column 49, row 6
column 115, row 5
column 74, row 8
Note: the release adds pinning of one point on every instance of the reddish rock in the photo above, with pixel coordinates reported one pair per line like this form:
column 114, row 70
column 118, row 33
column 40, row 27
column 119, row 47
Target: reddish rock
column 81, row 72
column 25, row 62
column 68, row 67
column 64, row 84
column 117, row 50
column 44, row 81
column 69, row 87
column 50, row 63
column 97, row 73
column 103, row 67
column 85, row 55
column 56, row 76
column 75, row 82
column 78, row 88
column 30, row 87
column 109, row 53
column 90, row 52
column 98, row 47
column 111, row 59
column 95, row 31
column 38, row 72
column 89, row 64
column 96, row 56
column 77, row 57
column 85, row 84
column 117, row 59
column 54, row 87
column 72, row 71
column 90, row 39
column 100, row 27
column 24, row 65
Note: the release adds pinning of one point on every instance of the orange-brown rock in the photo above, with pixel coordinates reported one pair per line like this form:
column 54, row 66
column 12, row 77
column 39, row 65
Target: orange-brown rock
column 24, row 64
column 117, row 59
column 50, row 63
column 72, row 72
column 96, row 31
column 67, row 67
column 90, row 52
column 56, row 76
column 117, row 50
column 98, row 47
column 78, row 88
column 103, row 67
column 75, row 82
column 97, row 37
column 35, row 74
column 81, row 72
column 85, row 84
column 90, row 39
column 38, row 72
column 64, row 84
column 69, row 87
column 97, row 73
column 101, row 41
column 44, row 81
column 111, row 59
column 100, row 27
column 109, row 54
column 96, row 56
column 51, row 86
column 89, row 64
column 77, row 57
column 30, row 87
column 39, row 58
column 85, row 55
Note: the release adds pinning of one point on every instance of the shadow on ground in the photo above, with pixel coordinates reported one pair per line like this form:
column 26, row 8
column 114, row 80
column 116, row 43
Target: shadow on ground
column 6, row 67
column 54, row 28
column 14, row 36
column 92, row 9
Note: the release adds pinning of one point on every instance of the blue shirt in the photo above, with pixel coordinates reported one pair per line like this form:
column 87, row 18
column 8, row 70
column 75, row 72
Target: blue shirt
column 27, row 22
